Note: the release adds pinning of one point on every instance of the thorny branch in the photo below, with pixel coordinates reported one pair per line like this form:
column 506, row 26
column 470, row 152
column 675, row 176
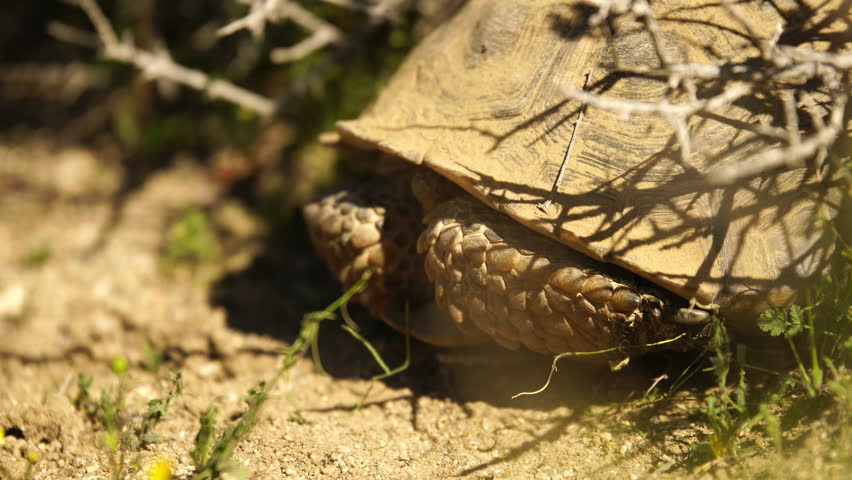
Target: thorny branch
column 779, row 68
column 322, row 33
column 276, row 11
column 161, row 66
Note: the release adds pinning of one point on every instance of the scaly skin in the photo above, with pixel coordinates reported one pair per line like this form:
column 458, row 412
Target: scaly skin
column 488, row 273
column 371, row 228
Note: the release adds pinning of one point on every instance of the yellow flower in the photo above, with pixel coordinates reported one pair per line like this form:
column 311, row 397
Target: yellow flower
column 159, row 469
column 119, row 365
column 33, row 457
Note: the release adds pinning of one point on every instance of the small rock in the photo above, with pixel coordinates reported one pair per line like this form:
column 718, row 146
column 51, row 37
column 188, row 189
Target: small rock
column 12, row 302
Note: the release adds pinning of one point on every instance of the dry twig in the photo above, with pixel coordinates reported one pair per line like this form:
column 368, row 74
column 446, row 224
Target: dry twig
column 276, row 11
column 160, row 65
column 781, row 68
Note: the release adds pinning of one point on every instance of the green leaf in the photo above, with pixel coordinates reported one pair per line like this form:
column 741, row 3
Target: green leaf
column 795, row 324
column 204, row 439
column 773, row 322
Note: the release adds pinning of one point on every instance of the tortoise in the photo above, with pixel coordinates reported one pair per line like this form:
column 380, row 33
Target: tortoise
column 467, row 234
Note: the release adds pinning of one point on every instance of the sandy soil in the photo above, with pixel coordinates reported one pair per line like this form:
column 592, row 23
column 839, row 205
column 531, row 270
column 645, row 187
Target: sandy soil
column 105, row 291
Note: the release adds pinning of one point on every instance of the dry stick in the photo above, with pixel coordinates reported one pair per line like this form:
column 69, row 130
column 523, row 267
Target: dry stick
column 255, row 21
column 655, row 382
column 676, row 114
column 682, row 132
column 545, row 206
column 606, row 7
column 792, row 156
column 840, row 61
column 378, row 15
column 318, row 40
column 753, row 37
column 791, row 118
column 324, row 32
column 732, row 92
column 161, row 66
column 274, row 11
column 643, row 10
column 72, row 35
column 347, row 4
column 804, row 64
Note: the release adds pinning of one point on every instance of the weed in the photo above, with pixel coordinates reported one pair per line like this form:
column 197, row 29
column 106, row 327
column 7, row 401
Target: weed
column 191, row 240
column 32, row 458
column 214, row 457
column 790, row 323
column 152, row 359
column 730, row 415
column 204, row 439
column 37, row 257
column 826, row 322
column 143, row 433
column 213, row 462
column 82, row 401
column 120, row 435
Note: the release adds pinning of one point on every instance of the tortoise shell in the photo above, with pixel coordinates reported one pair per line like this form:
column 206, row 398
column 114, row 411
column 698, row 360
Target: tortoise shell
column 482, row 101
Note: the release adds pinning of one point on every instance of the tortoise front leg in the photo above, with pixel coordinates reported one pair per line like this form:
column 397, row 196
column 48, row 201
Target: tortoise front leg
column 372, row 227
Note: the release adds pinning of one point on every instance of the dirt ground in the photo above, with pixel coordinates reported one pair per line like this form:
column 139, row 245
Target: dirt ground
column 103, row 290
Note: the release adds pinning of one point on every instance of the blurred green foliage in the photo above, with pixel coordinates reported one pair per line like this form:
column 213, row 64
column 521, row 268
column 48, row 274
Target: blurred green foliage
column 191, row 239
column 153, row 119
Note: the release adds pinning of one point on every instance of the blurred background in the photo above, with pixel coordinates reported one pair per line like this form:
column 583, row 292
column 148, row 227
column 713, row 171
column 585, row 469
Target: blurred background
column 76, row 124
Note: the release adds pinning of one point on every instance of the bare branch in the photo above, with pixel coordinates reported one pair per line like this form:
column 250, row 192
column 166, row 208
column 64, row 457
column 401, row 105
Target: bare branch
column 98, row 19
column 781, row 70
column 732, row 92
column 73, row 35
column 275, row 11
column 642, row 10
column 792, row 156
column 791, row 118
column 160, row 66
column 839, row 60
column 320, row 39
column 322, row 33
column 348, row 4
column 607, row 8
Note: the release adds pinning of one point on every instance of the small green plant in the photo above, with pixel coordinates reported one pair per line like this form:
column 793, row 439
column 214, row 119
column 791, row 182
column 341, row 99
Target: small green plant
column 152, row 359
column 726, row 414
column 191, row 239
column 733, row 411
column 82, row 401
column 212, row 455
column 204, row 439
column 826, row 321
column 214, row 459
column 120, row 435
column 143, row 433
column 791, row 323
column 32, row 458
column 37, row 256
